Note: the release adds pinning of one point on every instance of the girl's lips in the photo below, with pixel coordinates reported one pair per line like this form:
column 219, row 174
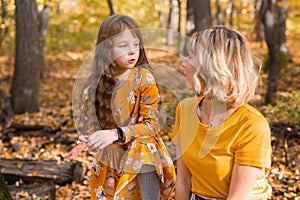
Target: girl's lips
column 131, row 61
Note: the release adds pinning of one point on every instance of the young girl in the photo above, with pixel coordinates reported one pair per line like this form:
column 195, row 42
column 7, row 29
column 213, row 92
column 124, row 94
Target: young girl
column 131, row 160
column 223, row 143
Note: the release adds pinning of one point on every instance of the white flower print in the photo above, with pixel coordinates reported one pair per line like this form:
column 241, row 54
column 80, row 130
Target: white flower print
column 94, row 164
column 133, row 144
column 111, row 181
column 131, row 97
column 136, row 165
column 129, row 160
column 168, row 158
column 149, row 78
column 99, row 193
column 148, row 125
column 141, row 118
column 152, row 147
column 137, row 79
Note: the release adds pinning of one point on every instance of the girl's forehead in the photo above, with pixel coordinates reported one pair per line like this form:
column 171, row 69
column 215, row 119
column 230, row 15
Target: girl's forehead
column 126, row 35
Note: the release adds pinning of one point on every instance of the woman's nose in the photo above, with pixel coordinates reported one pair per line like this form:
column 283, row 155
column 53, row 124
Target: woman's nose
column 184, row 63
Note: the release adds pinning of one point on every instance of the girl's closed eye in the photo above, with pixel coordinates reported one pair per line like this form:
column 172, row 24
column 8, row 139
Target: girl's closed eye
column 122, row 45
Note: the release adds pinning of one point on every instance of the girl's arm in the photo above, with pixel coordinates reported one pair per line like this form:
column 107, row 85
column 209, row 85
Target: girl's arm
column 242, row 181
column 183, row 180
column 146, row 108
column 144, row 120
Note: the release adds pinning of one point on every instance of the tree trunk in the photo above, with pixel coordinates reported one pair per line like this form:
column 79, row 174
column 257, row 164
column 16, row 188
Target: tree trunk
column 111, row 7
column 40, row 190
column 170, row 34
column 190, row 24
column 43, row 26
column 229, row 13
column 4, row 29
column 270, row 16
column 259, row 27
column 4, row 193
column 202, row 13
column 180, row 51
column 44, row 171
column 198, row 16
column 218, row 13
column 25, row 84
column 282, row 16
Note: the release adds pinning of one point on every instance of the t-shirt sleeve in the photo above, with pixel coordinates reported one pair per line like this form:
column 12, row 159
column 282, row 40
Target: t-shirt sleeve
column 253, row 147
column 175, row 134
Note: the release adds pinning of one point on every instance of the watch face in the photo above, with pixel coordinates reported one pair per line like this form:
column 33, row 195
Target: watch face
column 120, row 135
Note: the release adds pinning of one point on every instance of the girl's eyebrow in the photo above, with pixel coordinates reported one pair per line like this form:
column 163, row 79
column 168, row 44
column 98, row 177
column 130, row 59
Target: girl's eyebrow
column 136, row 40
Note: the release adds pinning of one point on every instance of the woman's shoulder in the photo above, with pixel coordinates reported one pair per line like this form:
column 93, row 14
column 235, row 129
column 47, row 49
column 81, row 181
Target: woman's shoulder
column 190, row 102
column 252, row 114
column 252, row 111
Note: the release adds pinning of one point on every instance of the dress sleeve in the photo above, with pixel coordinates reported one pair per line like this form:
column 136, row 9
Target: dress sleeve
column 145, row 122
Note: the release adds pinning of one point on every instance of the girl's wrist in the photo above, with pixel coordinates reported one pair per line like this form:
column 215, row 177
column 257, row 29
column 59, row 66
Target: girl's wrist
column 120, row 135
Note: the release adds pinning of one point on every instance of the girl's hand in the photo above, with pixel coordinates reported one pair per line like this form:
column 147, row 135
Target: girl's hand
column 79, row 148
column 102, row 138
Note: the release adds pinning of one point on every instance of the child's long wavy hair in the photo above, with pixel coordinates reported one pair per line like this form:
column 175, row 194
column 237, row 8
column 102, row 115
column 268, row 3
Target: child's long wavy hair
column 97, row 94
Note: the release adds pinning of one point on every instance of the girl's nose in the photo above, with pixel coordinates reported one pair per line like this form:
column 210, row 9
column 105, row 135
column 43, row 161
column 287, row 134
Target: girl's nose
column 131, row 52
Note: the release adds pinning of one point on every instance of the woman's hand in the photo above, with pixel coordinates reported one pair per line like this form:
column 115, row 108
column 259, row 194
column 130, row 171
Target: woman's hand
column 102, row 138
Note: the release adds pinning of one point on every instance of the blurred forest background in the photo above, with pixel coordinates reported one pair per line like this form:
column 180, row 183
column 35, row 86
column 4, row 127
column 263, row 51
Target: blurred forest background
column 44, row 42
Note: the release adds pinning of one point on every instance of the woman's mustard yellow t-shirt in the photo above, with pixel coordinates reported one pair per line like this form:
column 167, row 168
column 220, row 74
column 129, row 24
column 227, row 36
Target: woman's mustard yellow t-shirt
column 209, row 153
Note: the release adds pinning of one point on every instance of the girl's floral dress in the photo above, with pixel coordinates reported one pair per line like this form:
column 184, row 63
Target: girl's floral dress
column 115, row 169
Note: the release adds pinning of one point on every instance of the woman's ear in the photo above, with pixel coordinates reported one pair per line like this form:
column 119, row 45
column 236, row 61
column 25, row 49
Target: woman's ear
column 200, row 84
column 197, row 83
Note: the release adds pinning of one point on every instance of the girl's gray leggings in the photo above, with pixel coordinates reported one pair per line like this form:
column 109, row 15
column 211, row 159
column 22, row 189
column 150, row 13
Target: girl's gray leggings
column 149, row 183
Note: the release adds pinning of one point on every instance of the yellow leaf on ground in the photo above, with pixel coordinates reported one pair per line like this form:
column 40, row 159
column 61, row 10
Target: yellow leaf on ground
column 35, row 173
column 8, row 155
column 20, row 165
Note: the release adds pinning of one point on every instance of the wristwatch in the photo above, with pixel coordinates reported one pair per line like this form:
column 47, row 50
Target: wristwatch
column 120, row 135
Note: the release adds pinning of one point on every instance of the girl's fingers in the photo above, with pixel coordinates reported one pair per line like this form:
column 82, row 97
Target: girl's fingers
column 96, row 145
column 92, row 140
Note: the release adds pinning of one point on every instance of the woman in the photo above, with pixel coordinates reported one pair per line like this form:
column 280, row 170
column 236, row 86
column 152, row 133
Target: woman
column 223, row 143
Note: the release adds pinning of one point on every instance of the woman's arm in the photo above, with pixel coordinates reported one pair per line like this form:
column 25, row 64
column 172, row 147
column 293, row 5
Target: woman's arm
column 242, row 181
column 183, row 180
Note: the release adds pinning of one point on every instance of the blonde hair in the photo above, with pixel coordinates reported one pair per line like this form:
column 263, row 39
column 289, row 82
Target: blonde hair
column 225, row 64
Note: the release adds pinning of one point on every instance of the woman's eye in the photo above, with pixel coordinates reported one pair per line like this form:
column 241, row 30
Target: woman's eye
column 137, row 44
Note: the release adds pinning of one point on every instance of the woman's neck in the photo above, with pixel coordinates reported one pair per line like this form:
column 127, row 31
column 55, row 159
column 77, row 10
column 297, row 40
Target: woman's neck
column 214, row 113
